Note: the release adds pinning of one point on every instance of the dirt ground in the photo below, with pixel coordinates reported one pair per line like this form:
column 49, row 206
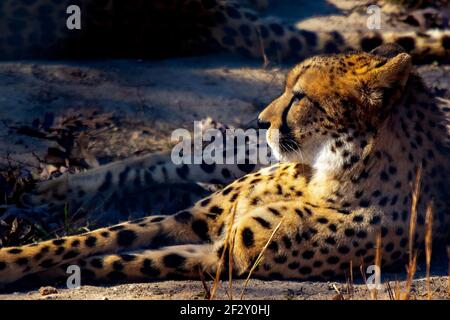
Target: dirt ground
column 152, row 98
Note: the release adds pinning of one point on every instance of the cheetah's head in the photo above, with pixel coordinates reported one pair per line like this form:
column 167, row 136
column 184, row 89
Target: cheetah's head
column 334, row 101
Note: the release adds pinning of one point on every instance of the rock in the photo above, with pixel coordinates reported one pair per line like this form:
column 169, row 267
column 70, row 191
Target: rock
column 45, row 291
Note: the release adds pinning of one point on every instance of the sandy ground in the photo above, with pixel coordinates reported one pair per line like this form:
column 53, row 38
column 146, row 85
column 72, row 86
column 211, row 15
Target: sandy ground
column 231, row 91
column 256, row 290
column 152, row 99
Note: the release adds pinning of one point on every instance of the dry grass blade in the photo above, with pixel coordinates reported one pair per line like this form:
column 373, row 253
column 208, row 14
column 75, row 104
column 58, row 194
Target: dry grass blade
column 225, row 248
column 362, row 268
column 374, row 292
column 411, row 271
column 412, row 263
column 205, row 285
column 351, row 288
column 413, row 217
column 258, row 260
column 389, row 291
column 428, row 244
column 397, row 290
column 230, row 270
column 339, row 295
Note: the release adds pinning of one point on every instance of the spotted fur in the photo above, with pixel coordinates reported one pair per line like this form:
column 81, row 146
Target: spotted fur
column 37, row 28
column 354, row 129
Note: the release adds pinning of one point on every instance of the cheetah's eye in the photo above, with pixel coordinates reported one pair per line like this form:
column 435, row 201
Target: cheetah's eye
column 296, row 98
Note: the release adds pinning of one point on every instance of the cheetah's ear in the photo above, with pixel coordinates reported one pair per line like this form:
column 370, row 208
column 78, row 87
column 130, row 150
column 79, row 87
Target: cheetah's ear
column 393, row 73
column 388, row 50
column 384, row 83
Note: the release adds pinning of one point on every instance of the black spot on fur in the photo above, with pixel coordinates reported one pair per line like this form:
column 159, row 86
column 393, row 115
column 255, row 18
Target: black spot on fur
column 280, row 259
column 361, row 234
column 310, row 37
column 123, row 176
column 75, row 243
column 343, row 249
column 247, row 237
column 216, row 210
column 277, row 29
column 116, row 276
column 369, row 43
column 125, row 238
column 200, row 228
column 208, row 168
column 58, row 242
column 106, row 183
column 22, row 261
column 295, row 45
column 446, row 42
column 157, row 219
column 91, row 241
column 226, row 173
column 264, row 223
column 274, row 211
column 97, row 263
column 183, row 171
column 308, row 254
column 174, row 260
column 305, row 270
column 287, row 242
column 205, row 202
column 149, row 270
column 408, row 43
column 333, row 260
column 47, row 263
column 232, row 12
column 349, row 232
column 183, row 217
column 70, row 255
column 127, row 257
column 14, row 251
column 322, row 220
column 273, row 246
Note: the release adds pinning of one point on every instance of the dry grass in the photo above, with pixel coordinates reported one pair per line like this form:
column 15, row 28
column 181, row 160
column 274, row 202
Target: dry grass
column 225, row 248
column 260, row 256
column 374, row 292
column 412, row 263
column 396, row 292
column 428, row 244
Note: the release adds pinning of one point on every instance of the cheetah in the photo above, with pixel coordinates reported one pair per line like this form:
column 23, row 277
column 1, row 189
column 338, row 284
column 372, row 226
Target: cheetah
column 355, row 129
column 114, row 28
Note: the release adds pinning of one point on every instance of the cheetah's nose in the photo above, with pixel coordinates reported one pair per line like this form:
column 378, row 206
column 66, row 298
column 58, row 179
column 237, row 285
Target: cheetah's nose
column 263, row 124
